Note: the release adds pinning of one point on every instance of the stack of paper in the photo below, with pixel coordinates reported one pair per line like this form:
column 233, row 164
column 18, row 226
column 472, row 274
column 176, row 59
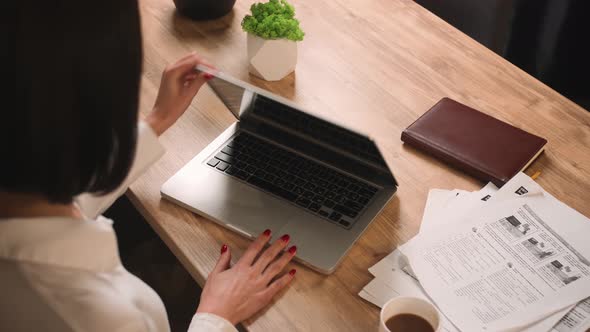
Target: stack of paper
column 514, row 259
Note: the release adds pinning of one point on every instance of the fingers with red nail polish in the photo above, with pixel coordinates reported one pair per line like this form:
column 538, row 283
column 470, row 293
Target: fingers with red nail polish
column 272, row 253
column 255, row 248
column 239, row 292
column 223, row 261
column 178, row 86
column 293, row 250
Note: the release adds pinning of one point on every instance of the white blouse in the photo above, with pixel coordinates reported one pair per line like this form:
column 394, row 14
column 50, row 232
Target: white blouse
column 65, row 274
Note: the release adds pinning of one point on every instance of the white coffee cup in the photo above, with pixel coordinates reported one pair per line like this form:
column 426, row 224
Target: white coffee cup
column 409, row 305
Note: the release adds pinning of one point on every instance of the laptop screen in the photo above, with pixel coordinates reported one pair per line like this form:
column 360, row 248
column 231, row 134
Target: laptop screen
column 319, row 130
column 295, row 128
column 230, row 94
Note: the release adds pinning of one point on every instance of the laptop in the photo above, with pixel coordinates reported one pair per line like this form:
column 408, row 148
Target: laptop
column 281, row 168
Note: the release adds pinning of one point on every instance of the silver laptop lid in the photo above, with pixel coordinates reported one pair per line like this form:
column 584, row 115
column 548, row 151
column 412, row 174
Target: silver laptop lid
column 282, row 121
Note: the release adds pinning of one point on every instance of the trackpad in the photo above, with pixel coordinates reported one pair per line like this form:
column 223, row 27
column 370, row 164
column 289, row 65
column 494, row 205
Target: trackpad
column 230, row 201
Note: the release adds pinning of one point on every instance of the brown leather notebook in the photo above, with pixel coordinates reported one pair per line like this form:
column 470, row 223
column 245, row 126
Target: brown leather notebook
column 476, row 143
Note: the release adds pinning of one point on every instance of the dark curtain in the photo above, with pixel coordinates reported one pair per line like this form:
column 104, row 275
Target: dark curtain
column 546, row 38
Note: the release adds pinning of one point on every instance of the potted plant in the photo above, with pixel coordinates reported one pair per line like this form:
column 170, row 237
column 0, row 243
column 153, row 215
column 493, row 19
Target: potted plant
column 273, row 33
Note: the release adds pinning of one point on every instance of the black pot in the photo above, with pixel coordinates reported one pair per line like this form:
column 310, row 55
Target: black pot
column 204, row 9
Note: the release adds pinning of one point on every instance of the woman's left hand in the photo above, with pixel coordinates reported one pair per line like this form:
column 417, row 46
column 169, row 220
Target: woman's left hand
column 179, row 85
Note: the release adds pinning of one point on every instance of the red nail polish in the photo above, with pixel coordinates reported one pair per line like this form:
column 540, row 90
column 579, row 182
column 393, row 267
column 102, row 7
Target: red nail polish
column 292, row 272
column 267, row 232
column 223, row 248
column 207, row 76
column 285, row 237
column 292, row 250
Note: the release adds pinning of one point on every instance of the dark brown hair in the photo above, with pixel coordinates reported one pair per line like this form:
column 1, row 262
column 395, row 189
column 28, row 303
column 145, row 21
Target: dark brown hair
column 71, row 123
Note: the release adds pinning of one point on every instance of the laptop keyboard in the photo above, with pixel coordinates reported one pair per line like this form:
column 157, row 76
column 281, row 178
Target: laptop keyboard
column 323, row 191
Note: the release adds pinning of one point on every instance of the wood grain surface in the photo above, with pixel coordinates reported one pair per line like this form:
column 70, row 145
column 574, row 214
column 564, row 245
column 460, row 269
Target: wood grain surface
column 375, row 65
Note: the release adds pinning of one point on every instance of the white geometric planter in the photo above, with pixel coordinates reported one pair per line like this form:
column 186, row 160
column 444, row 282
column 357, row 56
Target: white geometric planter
column 271, row 59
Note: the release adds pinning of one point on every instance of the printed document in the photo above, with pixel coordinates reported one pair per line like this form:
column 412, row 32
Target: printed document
column 513, row 263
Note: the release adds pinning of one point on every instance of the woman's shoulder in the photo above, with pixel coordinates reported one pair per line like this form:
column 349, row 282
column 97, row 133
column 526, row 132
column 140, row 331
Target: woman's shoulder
column 73, row 266
column 91, row 301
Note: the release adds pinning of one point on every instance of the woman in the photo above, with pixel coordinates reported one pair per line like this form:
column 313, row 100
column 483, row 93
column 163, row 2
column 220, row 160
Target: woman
column 74, row 130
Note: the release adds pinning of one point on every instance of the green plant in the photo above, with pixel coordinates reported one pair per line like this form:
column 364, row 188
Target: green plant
column 274, row 19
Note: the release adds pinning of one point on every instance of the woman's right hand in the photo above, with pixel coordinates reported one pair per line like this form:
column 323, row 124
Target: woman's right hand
column 238, row 292
column 178, row 86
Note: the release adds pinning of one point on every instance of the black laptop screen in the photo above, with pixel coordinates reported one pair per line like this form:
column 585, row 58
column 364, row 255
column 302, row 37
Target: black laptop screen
column 295, row 128
column 230, row 94
column 317, row 129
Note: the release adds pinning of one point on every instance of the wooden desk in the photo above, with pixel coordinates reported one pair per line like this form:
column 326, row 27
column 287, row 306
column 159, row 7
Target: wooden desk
column 376, row 65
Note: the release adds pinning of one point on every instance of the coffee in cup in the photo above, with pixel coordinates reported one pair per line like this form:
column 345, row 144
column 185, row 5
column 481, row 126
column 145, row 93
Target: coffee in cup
column 406, row 313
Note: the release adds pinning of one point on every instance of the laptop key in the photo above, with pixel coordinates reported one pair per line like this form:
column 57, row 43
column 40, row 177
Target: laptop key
column 308, row 194
column 320, row 190
column 222, row 166
column 242, row 175
column 319, row 199
column 366, row 193
column 303, row 202
column 228, row 150
column 329, row 203
column 269, row 177
column 213, row 162
column 231, row 171
column 298, row 172
column 314, row 207
column 353, row 205
column 316, row 181
column 371, row 189
column 323, row 213
column 241, row 165
column 332, row 179
column 345, row 211
column 353, row 187
column 335, row 216
column 274, row 189
column 299, row 181
column 342, row 183
column 227, row 158
column 344, row 223
column 298, row 190
column 309, row 186
column 352, row 196
column 340, row 199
